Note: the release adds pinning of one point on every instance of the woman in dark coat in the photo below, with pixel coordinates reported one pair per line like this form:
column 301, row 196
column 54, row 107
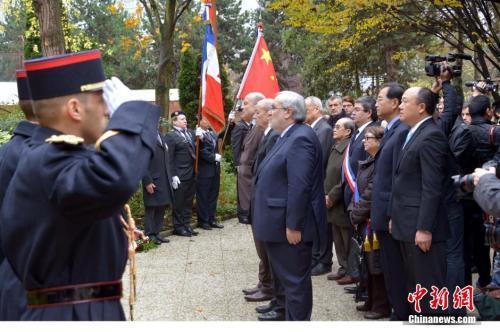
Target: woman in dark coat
column 377, row 305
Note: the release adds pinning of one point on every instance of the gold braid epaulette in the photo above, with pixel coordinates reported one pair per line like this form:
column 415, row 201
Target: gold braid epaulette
column 66, row 139
column 105, row 136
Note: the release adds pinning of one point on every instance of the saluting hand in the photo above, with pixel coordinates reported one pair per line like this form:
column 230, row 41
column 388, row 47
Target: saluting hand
column 293, row 236
column 423, row 239
column 150, row 188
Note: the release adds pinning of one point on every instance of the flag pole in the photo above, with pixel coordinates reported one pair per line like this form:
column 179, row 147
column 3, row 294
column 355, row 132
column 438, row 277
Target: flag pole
column 260, row 29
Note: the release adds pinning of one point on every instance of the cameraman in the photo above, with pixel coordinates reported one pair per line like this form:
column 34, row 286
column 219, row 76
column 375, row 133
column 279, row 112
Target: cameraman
column 475, row 249
column 487, row 195
column 446, row 119
column 455, row 243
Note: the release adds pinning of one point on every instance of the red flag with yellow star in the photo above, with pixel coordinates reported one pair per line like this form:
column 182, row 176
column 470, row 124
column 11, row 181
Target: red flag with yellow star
column 259, row 75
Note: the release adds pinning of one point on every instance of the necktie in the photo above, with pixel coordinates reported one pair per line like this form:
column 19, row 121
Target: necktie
column 408, row 137
column 356, row 134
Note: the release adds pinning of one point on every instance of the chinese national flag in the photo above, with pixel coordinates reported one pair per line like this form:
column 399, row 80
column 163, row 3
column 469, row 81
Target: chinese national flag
column 259, row 75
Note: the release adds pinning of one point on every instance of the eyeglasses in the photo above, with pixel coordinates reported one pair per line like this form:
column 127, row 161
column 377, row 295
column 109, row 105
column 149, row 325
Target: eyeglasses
column 370, row 137
column 277, row 108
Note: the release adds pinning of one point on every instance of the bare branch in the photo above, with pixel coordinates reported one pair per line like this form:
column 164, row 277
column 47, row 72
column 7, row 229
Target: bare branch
column 180, row 9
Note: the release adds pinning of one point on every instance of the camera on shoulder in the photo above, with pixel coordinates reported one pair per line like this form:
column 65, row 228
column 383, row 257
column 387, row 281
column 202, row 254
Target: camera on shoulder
column 437, row 65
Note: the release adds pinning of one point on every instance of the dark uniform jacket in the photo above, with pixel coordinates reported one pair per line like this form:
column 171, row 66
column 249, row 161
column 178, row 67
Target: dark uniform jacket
column 160, row 174
column 207, row 166
column 60, row 219
column 334, row 185
column 182, row 154
column 12, row 293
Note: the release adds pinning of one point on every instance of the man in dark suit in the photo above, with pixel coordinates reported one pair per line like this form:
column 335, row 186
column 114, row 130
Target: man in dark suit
column 157, row 191
column 388, row 101
column 364, row 115
column 289, row 205
column 208, row 177
column 264, row 289
column 418, row 219
column 323, row 244
column 182, row 156
column 238, row 135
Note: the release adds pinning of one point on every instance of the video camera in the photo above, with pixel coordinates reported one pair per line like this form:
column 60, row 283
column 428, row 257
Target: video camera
column 488, row 86
column 465, row 184
column 435, row 67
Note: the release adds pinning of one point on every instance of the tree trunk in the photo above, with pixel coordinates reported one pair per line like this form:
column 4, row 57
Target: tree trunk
column 48, row 13
column 166, row 65
column 391, row 66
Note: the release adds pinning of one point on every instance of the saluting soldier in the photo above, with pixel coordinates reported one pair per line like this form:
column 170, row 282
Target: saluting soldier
column 12, row 294
column 182, row 156
column 60, row 221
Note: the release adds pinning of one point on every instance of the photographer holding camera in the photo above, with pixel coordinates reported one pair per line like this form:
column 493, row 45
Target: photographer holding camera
column 487, row 195
column 484, row 150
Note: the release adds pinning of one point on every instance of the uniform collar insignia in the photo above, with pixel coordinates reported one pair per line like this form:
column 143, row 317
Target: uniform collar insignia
column 67, row 139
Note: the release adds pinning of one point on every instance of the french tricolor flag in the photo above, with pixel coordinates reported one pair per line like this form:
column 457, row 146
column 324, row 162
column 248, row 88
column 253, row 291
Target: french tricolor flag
column 212, row 107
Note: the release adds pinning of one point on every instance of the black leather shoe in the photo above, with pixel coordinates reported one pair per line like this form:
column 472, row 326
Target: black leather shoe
column 351, row 289
column 258, row 297
column 182, row 232
column 375, row 315
column 193, row 232
column 162, row 239
column 271, row 316
column 244, row 220
column 216, row 225
column 320, row 269
column 206, row 227
column 262, row 309
column 153, row 239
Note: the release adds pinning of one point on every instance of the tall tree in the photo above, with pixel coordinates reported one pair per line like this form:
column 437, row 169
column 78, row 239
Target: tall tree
column 162, row 18
column 49, row 17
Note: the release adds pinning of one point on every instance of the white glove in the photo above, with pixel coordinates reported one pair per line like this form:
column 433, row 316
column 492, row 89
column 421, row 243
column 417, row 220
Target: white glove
column 199, row 132
column 231, row 116
column 115, row 93
column 175, row 182
column 217, row 157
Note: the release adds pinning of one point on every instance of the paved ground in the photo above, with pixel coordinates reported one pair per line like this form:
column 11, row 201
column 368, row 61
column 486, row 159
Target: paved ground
column 201, row 278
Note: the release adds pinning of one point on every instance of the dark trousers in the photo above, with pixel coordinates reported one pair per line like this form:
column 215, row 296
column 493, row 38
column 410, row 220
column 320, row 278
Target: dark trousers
column 341, row 238
column 153, row 219
column 455, row 254
column 265, row 274
column 377, row 294
column 291, row 266
column 394, row 277
column 322, row 247
column 475, row 251
column 427, row 269
column 183, row 204
column 207, row 192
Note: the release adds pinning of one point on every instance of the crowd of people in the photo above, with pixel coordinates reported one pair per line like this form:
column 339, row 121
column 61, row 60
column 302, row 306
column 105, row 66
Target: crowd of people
column 395, row 216
column 370, row 178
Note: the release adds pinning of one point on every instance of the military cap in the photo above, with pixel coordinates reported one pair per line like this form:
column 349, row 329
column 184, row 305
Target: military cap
column 65, row 74
column 23, row 89
column 177, row 113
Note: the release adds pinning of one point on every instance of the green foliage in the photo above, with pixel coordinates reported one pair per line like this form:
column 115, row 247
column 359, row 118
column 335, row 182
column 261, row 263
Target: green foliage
column 9, row 118
column 226, row 205
column 136, row 204
column 4, row 137
column 188, row 83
